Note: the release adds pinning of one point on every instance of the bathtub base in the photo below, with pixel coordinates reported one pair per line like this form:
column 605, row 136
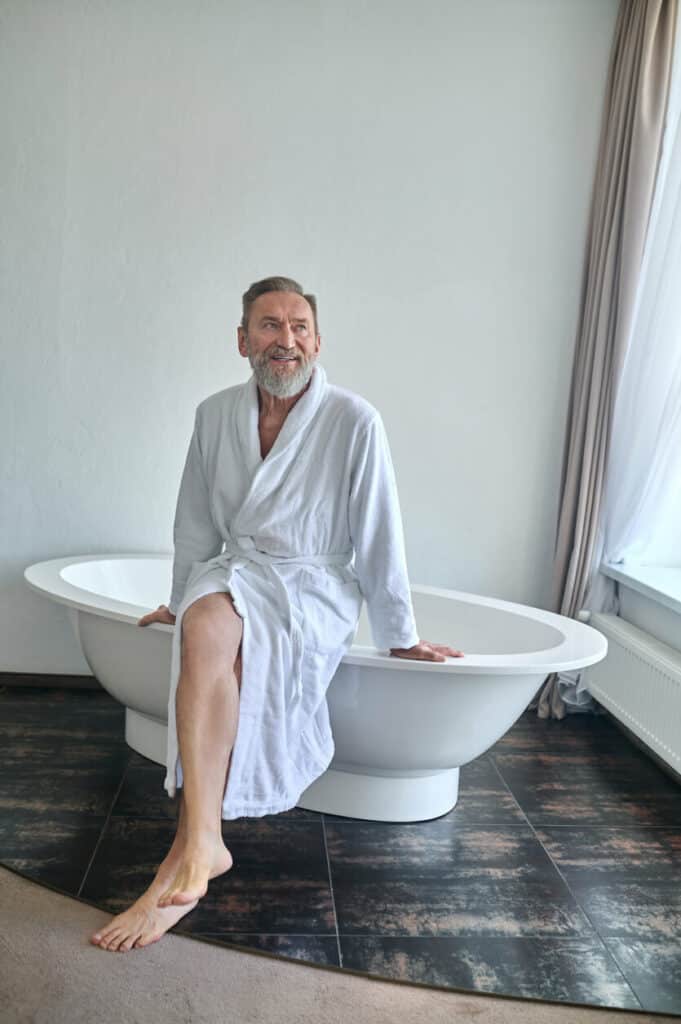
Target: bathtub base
column 382, row 797
column 351, row 794
column 148, row 736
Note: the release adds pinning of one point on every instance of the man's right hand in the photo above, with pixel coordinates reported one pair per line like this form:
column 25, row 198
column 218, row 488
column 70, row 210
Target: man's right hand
column 162, row 614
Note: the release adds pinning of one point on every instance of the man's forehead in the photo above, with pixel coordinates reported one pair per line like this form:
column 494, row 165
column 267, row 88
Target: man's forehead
column 283, row 304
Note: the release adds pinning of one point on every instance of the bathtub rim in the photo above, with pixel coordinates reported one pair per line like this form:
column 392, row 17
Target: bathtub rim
column 45, row 578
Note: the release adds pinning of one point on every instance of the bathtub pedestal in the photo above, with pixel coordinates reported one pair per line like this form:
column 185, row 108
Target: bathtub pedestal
column 147, row 735
column 348, row 792
column 382, row 797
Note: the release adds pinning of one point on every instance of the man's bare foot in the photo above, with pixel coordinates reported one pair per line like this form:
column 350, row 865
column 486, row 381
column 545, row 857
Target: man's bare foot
column 144, row 922
column 200, row 861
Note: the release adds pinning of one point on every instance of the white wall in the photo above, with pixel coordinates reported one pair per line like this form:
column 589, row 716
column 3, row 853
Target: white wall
column 424, row 169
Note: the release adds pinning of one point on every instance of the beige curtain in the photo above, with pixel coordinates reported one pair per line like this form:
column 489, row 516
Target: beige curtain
column 629, row 151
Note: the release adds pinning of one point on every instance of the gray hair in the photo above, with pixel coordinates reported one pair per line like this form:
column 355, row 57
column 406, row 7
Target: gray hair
column 274, row 284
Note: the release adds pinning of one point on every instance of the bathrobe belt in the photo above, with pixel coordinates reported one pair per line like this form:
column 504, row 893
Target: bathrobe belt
column 242, row 550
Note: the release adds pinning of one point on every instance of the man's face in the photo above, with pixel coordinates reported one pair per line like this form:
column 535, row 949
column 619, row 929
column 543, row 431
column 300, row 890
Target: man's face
column 281, row 324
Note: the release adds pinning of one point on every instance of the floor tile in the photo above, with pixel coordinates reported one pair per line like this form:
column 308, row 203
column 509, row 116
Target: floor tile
column 439, row 878
column 580, row 733
column 57, row 731
column 63, row 794
column 610, row 788
column 65, row 765
column 86, row 711
column 626, row 879
column 633, row 910
column 567, row 970
column 589, row 856
column 142, row 794
column 49, row 848
column 653, row 969
column 278, row 883
column 315, row 949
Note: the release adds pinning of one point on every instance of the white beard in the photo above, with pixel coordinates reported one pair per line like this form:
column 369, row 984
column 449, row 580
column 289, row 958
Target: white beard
column 282, row 383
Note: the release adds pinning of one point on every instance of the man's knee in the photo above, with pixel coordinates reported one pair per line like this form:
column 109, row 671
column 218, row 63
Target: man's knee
column 211, row 621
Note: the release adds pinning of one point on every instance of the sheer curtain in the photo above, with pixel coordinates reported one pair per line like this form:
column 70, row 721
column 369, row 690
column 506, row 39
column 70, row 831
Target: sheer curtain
column 641, row 518
column 645, row 458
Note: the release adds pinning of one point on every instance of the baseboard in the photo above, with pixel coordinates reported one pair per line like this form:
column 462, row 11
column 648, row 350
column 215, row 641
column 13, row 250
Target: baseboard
column 68, row 682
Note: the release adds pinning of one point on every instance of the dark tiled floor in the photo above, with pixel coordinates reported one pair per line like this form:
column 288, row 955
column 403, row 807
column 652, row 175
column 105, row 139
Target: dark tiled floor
column 556, row 876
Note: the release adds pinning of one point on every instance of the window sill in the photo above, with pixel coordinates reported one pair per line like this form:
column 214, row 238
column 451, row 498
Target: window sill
column 660, row 583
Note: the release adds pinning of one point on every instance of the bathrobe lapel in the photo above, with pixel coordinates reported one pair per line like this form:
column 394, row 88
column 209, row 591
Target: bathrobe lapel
column 266, row 474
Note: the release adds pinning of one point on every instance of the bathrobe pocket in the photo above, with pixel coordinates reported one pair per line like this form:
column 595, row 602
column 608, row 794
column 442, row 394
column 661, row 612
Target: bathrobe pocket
column 330, row 606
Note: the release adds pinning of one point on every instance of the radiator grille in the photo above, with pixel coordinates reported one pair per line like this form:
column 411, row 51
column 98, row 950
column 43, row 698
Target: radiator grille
column 639, row 681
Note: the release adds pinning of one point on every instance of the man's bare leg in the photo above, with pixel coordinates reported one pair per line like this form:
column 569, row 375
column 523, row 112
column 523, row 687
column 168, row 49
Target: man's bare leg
column 145, row 922
column 207, row 718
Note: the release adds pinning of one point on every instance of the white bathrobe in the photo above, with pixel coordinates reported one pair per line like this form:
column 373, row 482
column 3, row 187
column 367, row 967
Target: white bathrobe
column 290, row 525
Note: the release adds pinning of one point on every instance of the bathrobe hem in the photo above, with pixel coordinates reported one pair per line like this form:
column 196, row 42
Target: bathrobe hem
column 258, row 810
column 285, row 804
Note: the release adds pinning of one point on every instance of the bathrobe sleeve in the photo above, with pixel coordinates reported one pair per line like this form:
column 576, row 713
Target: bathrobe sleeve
column 378, row 539
column 195, row 535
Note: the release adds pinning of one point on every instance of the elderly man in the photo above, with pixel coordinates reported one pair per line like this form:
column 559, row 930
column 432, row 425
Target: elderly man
column 292, row 476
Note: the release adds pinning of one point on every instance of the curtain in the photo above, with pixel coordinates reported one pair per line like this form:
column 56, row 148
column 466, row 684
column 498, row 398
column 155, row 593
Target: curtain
column 630, row 150
column 642, row 517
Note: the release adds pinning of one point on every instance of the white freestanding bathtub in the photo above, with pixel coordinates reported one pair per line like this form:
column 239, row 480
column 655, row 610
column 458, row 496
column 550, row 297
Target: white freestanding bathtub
column 401, row 728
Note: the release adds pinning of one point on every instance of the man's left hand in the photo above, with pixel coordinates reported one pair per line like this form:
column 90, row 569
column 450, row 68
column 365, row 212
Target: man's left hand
column 425, row 651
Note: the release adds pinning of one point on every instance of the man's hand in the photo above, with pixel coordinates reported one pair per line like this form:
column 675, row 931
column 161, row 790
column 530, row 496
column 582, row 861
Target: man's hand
column 425, row 651
column 162, row 614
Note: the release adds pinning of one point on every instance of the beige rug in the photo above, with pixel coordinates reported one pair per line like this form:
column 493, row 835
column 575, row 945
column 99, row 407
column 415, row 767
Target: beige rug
column 51, row 974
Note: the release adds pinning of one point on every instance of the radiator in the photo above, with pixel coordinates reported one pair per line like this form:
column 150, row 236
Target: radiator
column 639, row 682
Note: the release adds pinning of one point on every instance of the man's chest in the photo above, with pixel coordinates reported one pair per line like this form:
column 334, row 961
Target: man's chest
column 268, row 435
